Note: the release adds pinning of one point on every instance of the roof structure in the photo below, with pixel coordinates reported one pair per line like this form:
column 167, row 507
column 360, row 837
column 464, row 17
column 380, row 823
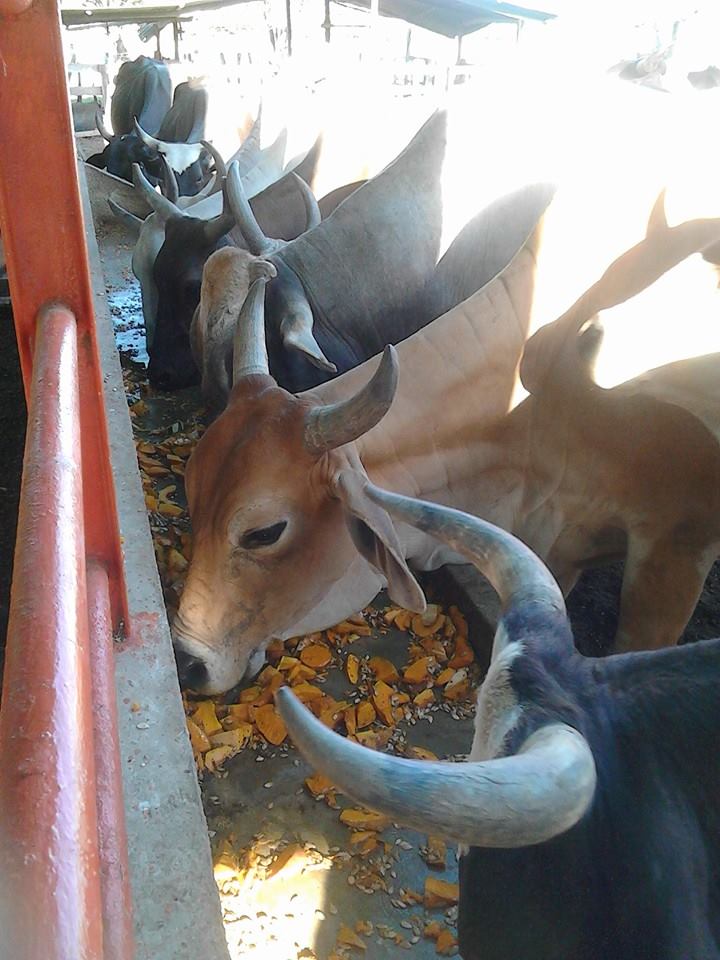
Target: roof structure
column 452, row 18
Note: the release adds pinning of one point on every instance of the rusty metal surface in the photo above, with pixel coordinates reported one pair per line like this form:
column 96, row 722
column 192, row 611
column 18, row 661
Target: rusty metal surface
column 50, row 881
column 44, row 239
column 118, row 938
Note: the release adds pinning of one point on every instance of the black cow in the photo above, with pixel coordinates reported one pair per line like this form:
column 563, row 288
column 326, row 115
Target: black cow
column 282, row 211
column 588, row 810
column 142, row 91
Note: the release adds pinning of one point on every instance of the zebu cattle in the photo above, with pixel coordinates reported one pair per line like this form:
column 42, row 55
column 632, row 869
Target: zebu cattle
column 365, row 276
column 587, row 810
column 181, row 135
column 287, row 542
column 142, row 92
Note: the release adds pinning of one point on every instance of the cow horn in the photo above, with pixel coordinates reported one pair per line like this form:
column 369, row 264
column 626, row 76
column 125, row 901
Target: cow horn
column 249, row 349
column 169, row 181
column 332, row 425
column 296, row 330
column 163, row 207
column 516, row 573
column 514, row 801
column 102, row 129
column 312, row 210
column 220, row 166
column 218, row 226
column 145, row 137
column 124, row 216
column 213, row 186
column 257, row 242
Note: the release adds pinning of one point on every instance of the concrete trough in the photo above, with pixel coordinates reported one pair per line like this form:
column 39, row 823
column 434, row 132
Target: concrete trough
column 175, row 899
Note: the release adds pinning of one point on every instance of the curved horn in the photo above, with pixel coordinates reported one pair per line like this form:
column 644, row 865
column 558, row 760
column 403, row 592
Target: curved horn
column 256, row 240
column 102, row 129
column 312, row 210
column 145, row 137
column 214, row 185
column 169, row 181
column 216, row 228
column 220, row 167
column 515, row 572
column 515, row 801
column 296, row 330
column 249, row 349
column 163, row 207
column 124, row 216
column 331, row 426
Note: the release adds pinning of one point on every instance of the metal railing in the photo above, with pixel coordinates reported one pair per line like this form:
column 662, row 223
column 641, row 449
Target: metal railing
column 64, row 882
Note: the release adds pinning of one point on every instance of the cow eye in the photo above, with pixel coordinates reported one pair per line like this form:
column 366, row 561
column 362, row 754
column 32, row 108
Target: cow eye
column 263, row 536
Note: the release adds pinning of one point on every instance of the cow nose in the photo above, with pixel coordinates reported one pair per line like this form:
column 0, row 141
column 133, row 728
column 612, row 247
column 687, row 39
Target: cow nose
column 192, row 672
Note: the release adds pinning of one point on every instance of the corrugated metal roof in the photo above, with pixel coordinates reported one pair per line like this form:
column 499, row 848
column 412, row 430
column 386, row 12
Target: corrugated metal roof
column 452, row 18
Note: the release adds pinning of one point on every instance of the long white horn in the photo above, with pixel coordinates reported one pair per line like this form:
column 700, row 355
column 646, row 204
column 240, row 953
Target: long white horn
column 145, row 137
column 332, row 425
column 516, row 801
column 163, row 207
column 124, row 216
column 249, row 349
column 102, row 129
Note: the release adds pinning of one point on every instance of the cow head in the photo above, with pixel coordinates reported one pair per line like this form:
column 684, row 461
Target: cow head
column 178, row 273
column 190, row 162
column 531, row 776
column 284, row 535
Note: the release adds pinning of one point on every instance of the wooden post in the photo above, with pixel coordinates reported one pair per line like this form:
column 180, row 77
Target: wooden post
column 327, row 24
column 176, row 38
column 289, row 27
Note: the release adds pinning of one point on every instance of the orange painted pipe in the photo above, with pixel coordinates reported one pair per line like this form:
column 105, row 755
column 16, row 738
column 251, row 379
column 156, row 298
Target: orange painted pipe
column 50, row 900
column 43, row 234
column 112, row 837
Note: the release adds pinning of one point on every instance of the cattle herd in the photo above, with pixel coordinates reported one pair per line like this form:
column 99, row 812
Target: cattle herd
column 392, row 392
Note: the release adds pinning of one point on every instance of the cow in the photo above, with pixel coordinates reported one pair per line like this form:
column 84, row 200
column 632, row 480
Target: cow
column 142, row 93
column 181, row 135
column 259, row 167
column 286, row 542
column 586, row 812
column 286, row 209
column 360, row 278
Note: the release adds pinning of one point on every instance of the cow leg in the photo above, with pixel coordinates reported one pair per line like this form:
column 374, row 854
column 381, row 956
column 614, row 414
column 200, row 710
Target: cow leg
column 661, row 586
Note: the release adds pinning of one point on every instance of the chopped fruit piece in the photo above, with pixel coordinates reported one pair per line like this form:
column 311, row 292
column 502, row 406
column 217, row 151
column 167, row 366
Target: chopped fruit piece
column 424, row 698
column 169, row 509
column 402, row 620
column 419, row 671
column 198, row 739
column 215, row 758
column 349, row 938
column 445, row 943
column 239, row 710
column 319, row 785
column 307, row 692
column 360, row 836
column 364, row 819
column 300, row 673
column 317, row 655
column 267, row 675
column 250, row 695
column 270, row 724
column 365, row 714
column 439, row 893
column 287, row 663
column 382, row 698
column 436, row 852
column 352, row 668
column 364, row 926
column 205, row 717
column 350, row 719
column 433, row 930
column 445, row 677
column 283, row 859
column 420, row 753
column 236, row 738
column 423, row 628
column 383, row 669
column 347, row 626
column 374, row 739
column 464, row 654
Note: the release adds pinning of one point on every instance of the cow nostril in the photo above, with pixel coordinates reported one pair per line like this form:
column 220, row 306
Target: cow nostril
column 192, row 672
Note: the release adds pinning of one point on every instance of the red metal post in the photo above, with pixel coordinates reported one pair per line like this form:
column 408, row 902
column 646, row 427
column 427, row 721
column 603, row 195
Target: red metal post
column 43, row 235
column 50, row 905
column 112, row 837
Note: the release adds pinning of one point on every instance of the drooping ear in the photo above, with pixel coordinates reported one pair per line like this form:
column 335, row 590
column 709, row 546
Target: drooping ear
column 98, row 160
column 375, row 537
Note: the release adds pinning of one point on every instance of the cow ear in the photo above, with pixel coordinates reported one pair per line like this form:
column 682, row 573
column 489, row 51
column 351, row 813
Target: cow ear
column 97, row 160
column 375, row 537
